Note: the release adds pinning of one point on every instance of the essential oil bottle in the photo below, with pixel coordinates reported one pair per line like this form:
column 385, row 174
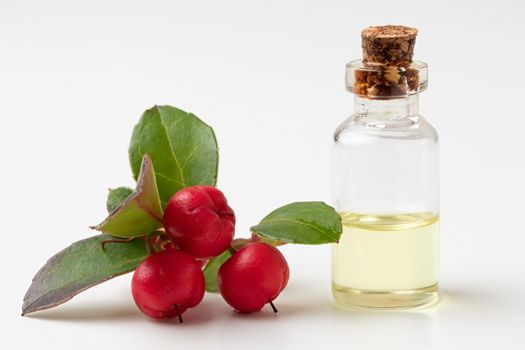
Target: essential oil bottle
column 386, row 181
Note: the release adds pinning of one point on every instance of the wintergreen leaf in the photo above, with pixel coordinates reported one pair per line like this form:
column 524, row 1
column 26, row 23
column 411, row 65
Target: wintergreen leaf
column 302, row 223
column 211, row 269
column 79, row 267
column 116, row 196
column 182, row 147
column 141, row 212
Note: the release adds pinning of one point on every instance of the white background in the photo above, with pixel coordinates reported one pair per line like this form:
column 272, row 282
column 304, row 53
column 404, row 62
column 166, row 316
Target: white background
column 269, row 77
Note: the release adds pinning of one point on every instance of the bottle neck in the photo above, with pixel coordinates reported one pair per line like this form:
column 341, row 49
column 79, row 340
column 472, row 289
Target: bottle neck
column 386, row 110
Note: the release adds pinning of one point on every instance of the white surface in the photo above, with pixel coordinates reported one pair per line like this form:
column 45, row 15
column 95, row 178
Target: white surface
column 269, row 77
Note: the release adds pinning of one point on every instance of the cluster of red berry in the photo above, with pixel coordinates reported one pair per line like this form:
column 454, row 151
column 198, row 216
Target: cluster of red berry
column 200, row 225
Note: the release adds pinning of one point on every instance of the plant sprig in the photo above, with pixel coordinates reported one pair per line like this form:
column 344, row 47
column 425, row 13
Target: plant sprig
column 170, row 149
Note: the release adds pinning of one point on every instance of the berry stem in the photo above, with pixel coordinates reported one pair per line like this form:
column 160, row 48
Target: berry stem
column 238, row 243
column 165, row 244
column 273, row 307
column 178, row 313
column 149, row 245
column 152, row 248
column 232, row 250
column 115, row 240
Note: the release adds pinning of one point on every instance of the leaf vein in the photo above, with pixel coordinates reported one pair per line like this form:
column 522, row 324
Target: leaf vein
column 192, row 152
column 172, row 150
column 169, row 178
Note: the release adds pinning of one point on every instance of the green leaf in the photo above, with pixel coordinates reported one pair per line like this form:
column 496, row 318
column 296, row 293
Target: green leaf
column 211, row 269
column 182, row 147
column 141, row 212
column 302, row 223
column 79, row 267
column 116, row 196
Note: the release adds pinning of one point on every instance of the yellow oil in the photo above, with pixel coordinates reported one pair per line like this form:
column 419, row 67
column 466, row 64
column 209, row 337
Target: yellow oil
column 386, row 261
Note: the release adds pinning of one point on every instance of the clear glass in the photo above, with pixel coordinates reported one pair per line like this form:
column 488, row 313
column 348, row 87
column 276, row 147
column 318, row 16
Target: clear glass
column 409, row 80
column 386, row 188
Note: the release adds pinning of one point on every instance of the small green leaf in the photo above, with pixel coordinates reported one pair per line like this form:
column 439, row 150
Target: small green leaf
column 211, row 270
column 141, row 212
column 116, row 196
column 182, row 147
column 79, row 267
column 302, row 223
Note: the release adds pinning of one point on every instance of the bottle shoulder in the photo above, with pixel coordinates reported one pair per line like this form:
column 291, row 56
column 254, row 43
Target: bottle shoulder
column 412, row 128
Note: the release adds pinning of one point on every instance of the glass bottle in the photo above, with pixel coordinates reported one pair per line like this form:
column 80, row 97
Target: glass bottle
column 386, row 188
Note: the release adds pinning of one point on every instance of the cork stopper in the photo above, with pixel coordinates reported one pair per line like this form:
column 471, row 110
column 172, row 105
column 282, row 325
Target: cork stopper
column 387, row 70
column 390, row 45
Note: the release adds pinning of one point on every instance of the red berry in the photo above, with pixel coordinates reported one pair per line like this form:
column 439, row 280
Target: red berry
column 199, row 221
column 167, row 283
column 253, row 277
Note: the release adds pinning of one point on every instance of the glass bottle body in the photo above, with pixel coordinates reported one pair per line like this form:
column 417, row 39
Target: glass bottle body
column 386, row 188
